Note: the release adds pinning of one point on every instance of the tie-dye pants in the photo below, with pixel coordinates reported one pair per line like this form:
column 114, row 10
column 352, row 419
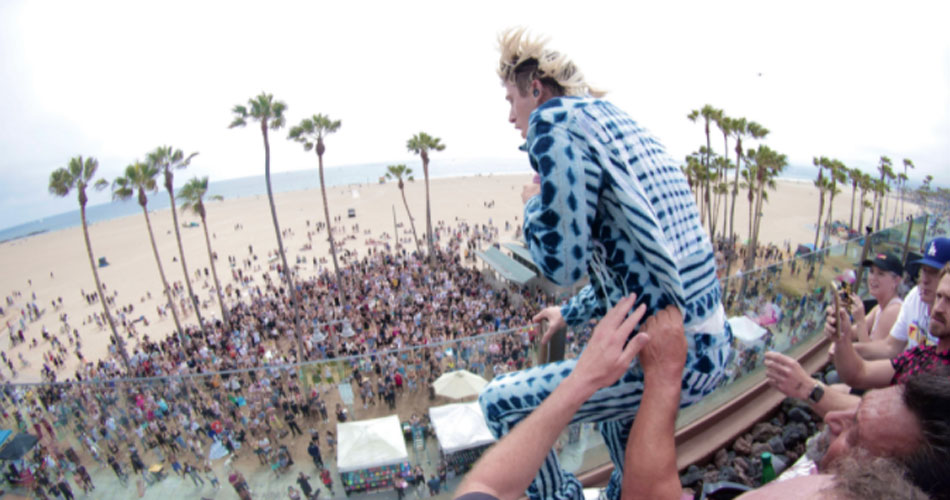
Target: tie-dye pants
column 509, row 398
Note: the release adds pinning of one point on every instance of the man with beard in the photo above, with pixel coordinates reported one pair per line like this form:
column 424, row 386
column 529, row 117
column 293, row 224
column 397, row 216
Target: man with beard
column 786, row 375
column 911, row 327
column 863, row 374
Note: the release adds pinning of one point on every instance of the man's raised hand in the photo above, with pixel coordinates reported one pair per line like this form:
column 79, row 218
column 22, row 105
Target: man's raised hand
column 606, row 358
column 555, row 321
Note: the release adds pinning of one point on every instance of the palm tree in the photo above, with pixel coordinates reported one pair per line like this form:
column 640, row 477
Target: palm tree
column 769, row 164
column 421, row 144
column 138, row 179
column 739, row 129
column 270, row 114
column 697, row 177
column 726, row 126
column 836, row 174
column 167, row 160
column 865, row 183
column 821, row 163
column 398, row 172
column 708, row 114
column 901, row 182
column 884, row 167
column 907, row 165
column 192, row 198
column 79, row 175
column 854, row 175
column 310, row 133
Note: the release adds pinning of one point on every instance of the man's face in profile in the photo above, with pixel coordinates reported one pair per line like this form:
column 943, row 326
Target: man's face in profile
column 881, row 424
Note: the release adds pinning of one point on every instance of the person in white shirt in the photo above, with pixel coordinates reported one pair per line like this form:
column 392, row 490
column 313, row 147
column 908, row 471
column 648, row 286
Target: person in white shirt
column 912, row 325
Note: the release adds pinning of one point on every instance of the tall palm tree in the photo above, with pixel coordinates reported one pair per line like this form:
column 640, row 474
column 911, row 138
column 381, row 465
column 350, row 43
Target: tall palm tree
column 167, row 160
column 769, row 164
column 757, row 132
column 708, row 113
column 901, row 182
column 138, row 179
column 884, row 167
column 854, row 175
column 79, row 175
column 821, row 163
column 908, row 164
column 694, row 165
column 399, row 172
column 310, row 132
column 192, row 197
column 739, row 129
column 270, row 114
column 726, row 126
column 865, row 183
column 836, row 174
column 421, row 144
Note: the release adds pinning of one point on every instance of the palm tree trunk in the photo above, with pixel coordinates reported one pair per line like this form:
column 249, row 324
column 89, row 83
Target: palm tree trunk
column 412, row 224
column 886, row 200
column 326, row 214
column 161, row 272
column 903, row 187
column 861, row 216
column 830, row 219
column 429, row 236
column 821, row 209
column 735, row 189
column 288, row 279
column 214, row 272
column 181, row 252
column 854, row 191
column 119, row 342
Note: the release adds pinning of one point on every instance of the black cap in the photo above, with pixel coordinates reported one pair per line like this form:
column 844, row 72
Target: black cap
column 886, row 262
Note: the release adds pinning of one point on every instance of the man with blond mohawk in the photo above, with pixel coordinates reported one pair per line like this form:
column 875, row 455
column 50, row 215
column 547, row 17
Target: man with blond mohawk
column 608, row 203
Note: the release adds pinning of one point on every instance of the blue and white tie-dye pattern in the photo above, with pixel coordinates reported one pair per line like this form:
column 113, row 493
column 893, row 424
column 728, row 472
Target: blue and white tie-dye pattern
column 614, row 206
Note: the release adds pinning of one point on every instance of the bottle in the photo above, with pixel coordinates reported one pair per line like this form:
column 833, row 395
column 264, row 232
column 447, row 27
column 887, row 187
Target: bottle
column 768, row 472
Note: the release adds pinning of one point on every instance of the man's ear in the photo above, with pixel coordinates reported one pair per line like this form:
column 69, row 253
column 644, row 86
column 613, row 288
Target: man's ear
column 538, row 92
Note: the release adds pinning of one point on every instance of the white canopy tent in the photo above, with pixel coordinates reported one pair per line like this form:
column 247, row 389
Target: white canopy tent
column 365, row 444
column 460, row 426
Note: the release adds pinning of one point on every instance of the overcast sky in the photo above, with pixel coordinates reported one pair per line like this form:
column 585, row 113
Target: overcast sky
column 851, row 80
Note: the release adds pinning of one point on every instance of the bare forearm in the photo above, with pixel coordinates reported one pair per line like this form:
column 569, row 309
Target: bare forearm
column 509, row 466
column 834, row 400
column 847, row 361
column 878, row 349
column 650, row 463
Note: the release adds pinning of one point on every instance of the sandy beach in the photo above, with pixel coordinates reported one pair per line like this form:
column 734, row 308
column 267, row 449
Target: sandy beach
column 55, row 265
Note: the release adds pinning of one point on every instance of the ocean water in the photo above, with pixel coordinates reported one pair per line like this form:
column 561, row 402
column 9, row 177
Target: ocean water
column 280, row 182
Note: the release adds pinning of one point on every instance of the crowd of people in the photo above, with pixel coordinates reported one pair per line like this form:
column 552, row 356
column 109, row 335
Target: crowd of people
column 404, row 319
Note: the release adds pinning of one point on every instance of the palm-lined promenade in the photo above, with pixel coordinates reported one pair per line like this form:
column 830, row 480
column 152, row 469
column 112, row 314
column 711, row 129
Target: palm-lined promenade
column 234, row 225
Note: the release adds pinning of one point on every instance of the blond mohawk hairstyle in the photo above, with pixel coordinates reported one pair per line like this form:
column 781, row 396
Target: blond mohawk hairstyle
column 524, row 58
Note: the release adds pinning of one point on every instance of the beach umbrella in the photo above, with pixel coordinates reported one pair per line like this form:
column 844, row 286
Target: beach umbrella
column 18, row 446
column 459, row 384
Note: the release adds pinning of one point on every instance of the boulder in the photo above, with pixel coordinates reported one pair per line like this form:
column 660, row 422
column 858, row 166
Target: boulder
column 776, row 444
column 799, row 415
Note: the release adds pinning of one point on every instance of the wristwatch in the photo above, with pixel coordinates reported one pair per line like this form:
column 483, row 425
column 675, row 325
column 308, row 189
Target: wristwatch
column 816, row 394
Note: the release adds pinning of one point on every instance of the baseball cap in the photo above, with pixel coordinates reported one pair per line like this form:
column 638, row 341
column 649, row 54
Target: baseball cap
column 886, row 262
column 937, row 253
